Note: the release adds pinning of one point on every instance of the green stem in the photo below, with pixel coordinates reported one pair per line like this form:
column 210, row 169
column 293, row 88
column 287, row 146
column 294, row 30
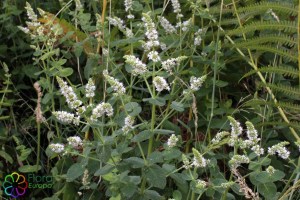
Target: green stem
column 153, row 118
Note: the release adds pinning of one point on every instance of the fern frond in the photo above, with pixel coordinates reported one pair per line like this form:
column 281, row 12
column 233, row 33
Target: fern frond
column 268, row 48
column 286, row 26
column 284, row 70
column 288, row 90
column 280, row 7
column 283, row 39
column 276, row 123
column 259, row 102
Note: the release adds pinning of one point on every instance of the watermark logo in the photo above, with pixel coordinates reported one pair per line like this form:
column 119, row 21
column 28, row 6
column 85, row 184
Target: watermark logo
column 15, row 185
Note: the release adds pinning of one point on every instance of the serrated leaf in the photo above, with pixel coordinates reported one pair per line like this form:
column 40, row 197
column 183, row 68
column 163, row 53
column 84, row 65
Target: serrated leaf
column 74, row 172
column 133, row 108
column 268, row 190
column 157, row 101
column 142, row 136
column 104, row 170
column 153, row 195
column 65, row 72
column 265, row 177
column 135, row 162
column 49, row 54
column 156, row 176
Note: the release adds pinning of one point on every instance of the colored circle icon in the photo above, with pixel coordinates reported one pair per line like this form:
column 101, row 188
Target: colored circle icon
column 15, row 185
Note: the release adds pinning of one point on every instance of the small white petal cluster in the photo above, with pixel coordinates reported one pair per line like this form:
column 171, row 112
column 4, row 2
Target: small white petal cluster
column 172, row 141
column 66, row 117
column 198, row 38
column 252, row 140
column 199, row 160
column 74, row 141
column 236, row 130
column 200, row 184
column 160, row 84
column 128, row 5
column 153, row 55
column 85, row 178
column 237, row 160
column 163, row 46
column 171, row 63
column 257, row 150
column 69, row 94
column 57, row 148
column 219, row 137
column 151, row 33
column 117, row 22
column 185, row 25
column 128, row 33
column 90, row 89
column 128, row 125
column 130, row 16
column 24, row 29
column 176, row 8
column 196, row 83
column 100, row 110
column 227, row 184
column 168, row 27
column 280, row 149
column 117, row 86
column 270, row 170
column 34, row 24
column 78, row 4
column 186, row 162
column 252, row 133
column 30, row 13
column 138, row 67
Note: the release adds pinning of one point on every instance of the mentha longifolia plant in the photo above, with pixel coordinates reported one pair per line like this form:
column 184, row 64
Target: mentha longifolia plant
column 128, row 154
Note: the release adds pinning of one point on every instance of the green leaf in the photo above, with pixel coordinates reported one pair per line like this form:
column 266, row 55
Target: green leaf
column 135, row 162
column 58, row 63
column 177, row 195
column 142, row 136
column 265, row 177
column 6, row 156
column 177, row 106
column 104, row 170
column 69, row 192
column 268, row 190
column 24, row 154
column 220, row 83
column 78, row 48
column 172, row 153
column 263, row 161
column 136, row 6
column 155, row 157
column 129, row 189
column 49, row 54
column 156, row 176
column 29, row 168
column 153, row 195
column 133, row 108
column 74, row 172
column 65, row 72
column 158, row 101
